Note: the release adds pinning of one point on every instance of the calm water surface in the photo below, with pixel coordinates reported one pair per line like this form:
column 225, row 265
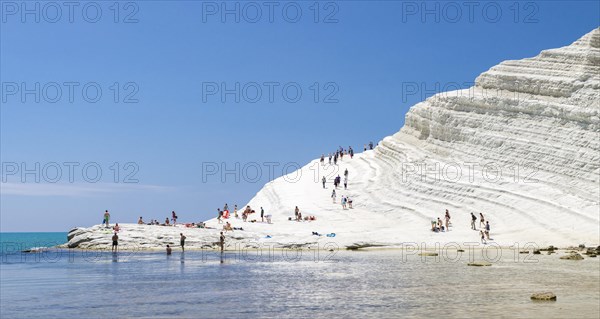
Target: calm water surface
column 342, row 284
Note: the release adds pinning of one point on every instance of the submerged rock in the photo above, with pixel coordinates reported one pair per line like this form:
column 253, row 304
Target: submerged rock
column 357, row 246
column 479, row 263
column 545, row 296
column 431, row 254
column 572, row 256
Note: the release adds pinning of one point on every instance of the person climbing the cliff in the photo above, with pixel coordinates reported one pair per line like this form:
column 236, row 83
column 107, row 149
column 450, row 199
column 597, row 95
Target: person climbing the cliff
column 481, row 221
column 349, row 202
column 106, row 218
column 262, row 215
column 343, row 202
column 346, row 173
column 182, row 241
column 115, row 242
column 346, row 182
column 322, row 160
column 333, row 195
column 329, row 158
column 219, row 215
column 473, row 219
column 324, row 180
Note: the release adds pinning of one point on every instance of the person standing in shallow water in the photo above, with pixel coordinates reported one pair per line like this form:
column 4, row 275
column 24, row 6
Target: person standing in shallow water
column 182, row 241
column 115, row 242
column 222, row 241
column 169, row 250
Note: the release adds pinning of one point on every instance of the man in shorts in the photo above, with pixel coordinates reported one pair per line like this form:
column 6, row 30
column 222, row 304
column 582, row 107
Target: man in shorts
column 182, row 241
column 106, row 218
column 115, row 242
column 222, row 241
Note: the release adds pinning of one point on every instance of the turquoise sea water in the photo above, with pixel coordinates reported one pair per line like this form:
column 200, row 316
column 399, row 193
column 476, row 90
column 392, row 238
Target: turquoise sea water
column 284, row 284
column 25, row 241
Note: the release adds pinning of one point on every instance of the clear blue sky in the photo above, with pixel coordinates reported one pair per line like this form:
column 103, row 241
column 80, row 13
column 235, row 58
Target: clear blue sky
column 173, row 53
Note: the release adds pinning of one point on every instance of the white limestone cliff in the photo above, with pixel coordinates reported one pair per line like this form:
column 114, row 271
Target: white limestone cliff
column 536, row 121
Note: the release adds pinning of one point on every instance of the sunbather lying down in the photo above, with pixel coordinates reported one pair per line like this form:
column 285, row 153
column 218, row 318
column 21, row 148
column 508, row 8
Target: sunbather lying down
column 328, row 235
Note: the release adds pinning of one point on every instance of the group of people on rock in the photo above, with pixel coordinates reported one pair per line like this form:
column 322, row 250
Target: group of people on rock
column 167, row 222
column 227, row 227
column 338, row 180
column 443, row 226
column 224, row 214
column 484, row 225
column 345, row 201
column 341, row 152
column 337, row 155
column 439, row 226
column 298, row 216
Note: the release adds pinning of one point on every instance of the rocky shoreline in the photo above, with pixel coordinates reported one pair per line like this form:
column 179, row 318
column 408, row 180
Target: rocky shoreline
column 155, row 238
